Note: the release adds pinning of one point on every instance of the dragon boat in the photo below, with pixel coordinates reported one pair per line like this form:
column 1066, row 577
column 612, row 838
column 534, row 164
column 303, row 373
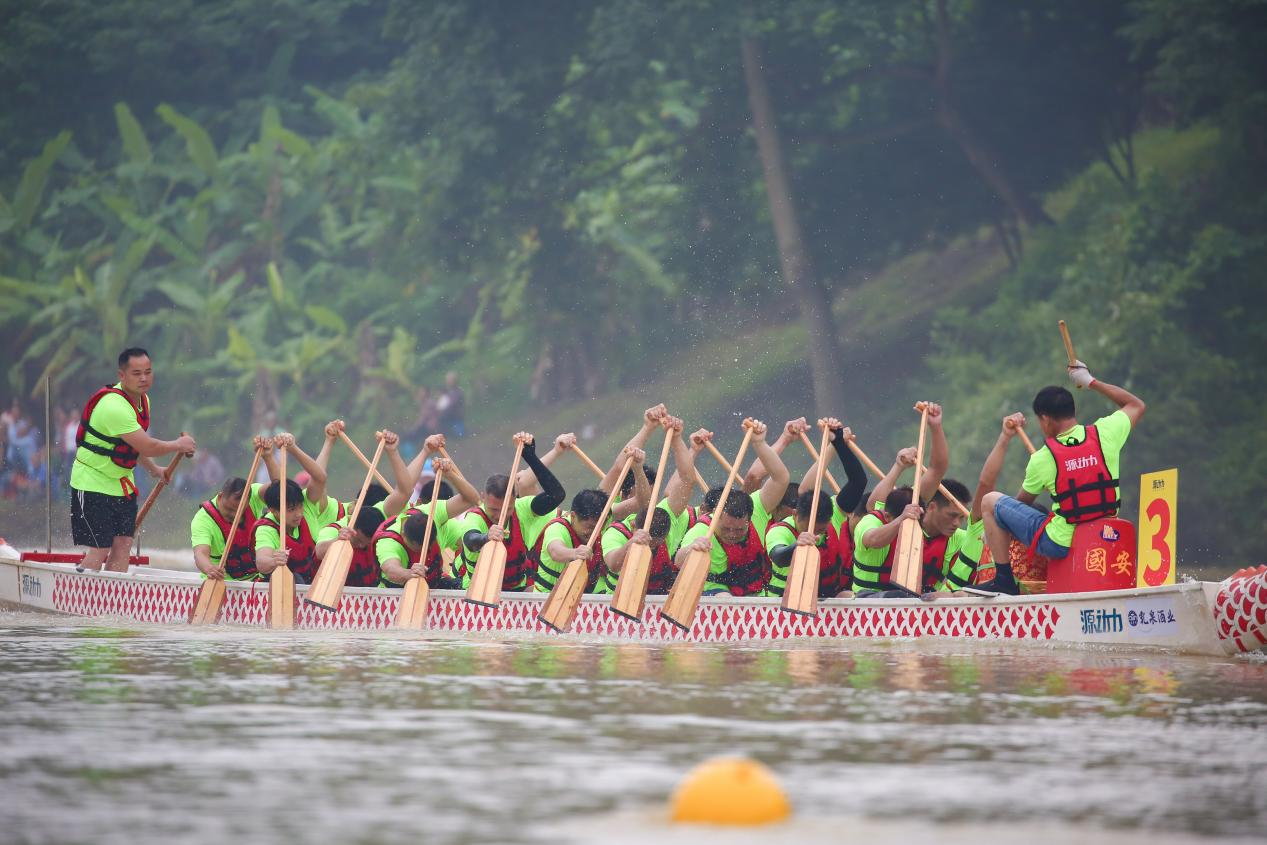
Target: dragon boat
column 1196, row 617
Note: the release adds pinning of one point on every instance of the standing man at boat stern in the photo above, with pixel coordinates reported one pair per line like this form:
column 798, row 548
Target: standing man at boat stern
column 113, row 437
column 1078, row 465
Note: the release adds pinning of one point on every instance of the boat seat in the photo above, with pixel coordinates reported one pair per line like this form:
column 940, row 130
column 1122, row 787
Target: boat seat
column 1102, row 557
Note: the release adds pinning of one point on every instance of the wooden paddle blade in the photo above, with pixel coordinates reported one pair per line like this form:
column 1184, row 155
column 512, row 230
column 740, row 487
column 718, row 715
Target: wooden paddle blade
column 560, row 606
column 414, row 604
column 281, row 599
column 630, row 595
column 206, row 610
column 908, row 559
column 490, row 569
column 683, row 600
column 332, row 576
column 801, row 593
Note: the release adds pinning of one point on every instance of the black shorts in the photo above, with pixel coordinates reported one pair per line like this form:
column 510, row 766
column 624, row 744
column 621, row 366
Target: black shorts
column 96, row 519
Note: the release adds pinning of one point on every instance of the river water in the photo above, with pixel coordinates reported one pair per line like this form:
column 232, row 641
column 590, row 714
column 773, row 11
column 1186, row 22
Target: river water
column 161, row 734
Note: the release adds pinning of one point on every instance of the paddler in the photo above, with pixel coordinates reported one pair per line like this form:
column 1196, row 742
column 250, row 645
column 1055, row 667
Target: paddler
column 363, row 571
column 876, row 534
column 564, row 538
column 397, row 544
column 308, row 509
column 738, row 562
column 1078, row 465
column 669, row 523
column 214, row 518
column 785, row 533
column 113, row 437
column 847, row 507
column 527, row 519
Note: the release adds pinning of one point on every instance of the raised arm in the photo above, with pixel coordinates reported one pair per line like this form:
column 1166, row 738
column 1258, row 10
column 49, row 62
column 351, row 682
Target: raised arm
column 332, row 434
column 1130, row 404
column 905, row 460
column 270, row 460
column 855, row 474
column 528, row 481
column 792, row 430
column 316, row 490
column 434, row 443
column 776, row 484
column 939, row 460
column 552, row 493
column 682, row 484
column 466, row 496
column 650, row 422
column 399, row 496
column 994, row 462
column 642, row 487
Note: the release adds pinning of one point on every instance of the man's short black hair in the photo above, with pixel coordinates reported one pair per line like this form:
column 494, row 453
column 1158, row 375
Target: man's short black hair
column 660, row 524
column 375, row 494
column 368, row 520
column 791, row 497
column 273, row 494
column 957, row 489
column 496, row 485
column 627, row 483
column 1055, row 402
column 232, row 487
column 712, row 497
column 738, row 505
column 444, row 493
column 897, row 501
column 805, row 502
column 415, row 528
column 130, row 353
column 589, row 504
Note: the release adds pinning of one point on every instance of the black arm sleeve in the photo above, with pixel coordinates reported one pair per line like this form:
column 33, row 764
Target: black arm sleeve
column 552, row 493
column 474, row 540
column 855, row 476
column 782, row 555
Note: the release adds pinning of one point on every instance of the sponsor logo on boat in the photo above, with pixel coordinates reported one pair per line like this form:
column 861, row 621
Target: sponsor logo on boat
column 1149, row 617
column 1101, row 621
column 32, row 587
column 1108, row 532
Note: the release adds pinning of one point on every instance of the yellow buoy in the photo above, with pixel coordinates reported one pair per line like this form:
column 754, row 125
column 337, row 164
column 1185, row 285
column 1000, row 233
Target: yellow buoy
column 730, row 791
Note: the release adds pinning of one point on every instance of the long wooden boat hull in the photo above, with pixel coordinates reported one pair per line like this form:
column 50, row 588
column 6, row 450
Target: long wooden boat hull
column 1199, row 617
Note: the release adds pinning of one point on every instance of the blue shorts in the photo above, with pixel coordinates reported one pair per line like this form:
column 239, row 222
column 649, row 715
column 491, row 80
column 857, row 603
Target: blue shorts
column 1023, row 522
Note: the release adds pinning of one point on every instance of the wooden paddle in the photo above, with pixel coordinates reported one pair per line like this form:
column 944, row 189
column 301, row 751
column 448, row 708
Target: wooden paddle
column 630, row 595
column 870, row 464
column 281, row 581
column 415, row 601
column 210, row 600
column 378, row 476
column 908, row 558
column 594, row 468
column 815, row 454
column 800, row 594
column 683, row 600
column 1024, row 439
column 490, row 567
column 1064, row 335
column 163, row 480
column 332, row 574
column 560, row 606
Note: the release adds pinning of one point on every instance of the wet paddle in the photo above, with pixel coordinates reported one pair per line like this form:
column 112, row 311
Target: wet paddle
column 360, row 456
column 490, row 567
column 210, row 600
column 163, row 480
column 800, row 594
column 281, row 581
column 815, row 454
column 560, row 606
column 630, row 595
column 683, row 600
column 415, row 600
column 908, row 558
column 1064, row 335
column 594, row 468
column 332, row 574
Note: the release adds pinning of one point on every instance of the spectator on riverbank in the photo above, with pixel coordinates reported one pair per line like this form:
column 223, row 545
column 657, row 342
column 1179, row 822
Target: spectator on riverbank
column 451, row 407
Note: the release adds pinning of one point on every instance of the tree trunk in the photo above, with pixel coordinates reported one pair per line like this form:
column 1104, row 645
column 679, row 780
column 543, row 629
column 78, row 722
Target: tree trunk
column 794, row 258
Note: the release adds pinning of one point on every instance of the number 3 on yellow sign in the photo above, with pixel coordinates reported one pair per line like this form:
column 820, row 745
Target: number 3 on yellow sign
column 1158, row 514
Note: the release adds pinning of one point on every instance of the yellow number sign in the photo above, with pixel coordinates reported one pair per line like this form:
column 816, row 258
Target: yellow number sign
column 1158, row 513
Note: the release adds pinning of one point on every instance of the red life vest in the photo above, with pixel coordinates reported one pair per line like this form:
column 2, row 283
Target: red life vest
column 238, row 558
column 660, row 579
column 520, row 562
column 870, row 578
column 434, row 569
column 302, row 550
column 1084, row 488
column 118, row 451
column 747, row 565
column 363, row 570
column 934, row 554
column 844, row 564
column 547, row 575
column 828, row 564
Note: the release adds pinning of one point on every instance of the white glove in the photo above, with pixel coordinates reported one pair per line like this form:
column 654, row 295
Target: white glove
column 1080, row 376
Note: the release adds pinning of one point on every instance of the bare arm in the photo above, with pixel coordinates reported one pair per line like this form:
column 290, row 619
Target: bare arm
column 680, row 487
column 905, row 459
column 994, row 462
column 150, row 447
column 757, row 471
column 332, row 434
column 939, row 461
column 650, row 422
column 396, row 499
column 316, row 490
column 467, row 496
column 774, row 487
column 526, row 483
column 1130, row 404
